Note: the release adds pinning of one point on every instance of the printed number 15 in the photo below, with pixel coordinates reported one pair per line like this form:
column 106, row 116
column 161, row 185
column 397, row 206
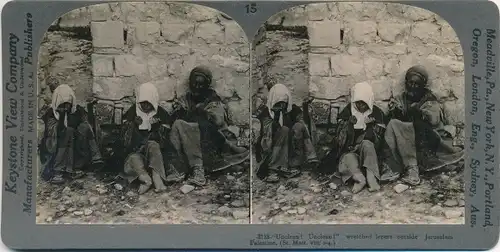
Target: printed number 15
column 251, row 8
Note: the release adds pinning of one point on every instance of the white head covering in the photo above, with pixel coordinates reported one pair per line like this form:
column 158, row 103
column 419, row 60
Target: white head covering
column 63, row 93
column 146, row 92
column 362, row 92
column 279, row 93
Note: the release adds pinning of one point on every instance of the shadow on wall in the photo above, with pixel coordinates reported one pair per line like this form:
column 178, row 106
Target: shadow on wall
column 331, row 46
column 106, row 50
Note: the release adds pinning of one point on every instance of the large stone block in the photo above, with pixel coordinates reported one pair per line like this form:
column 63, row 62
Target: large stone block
column 324, row 34
column 43, row 56
column 441, row 88
column 234, row 63
column 114, row 88
column 107, row 11
column 130, row 65
column 374, row 67
column 102, row 65
column 382, row 88
column 318, row 11
column 233, row 33
column 107, row 34
column 421, row 50
column 448, row 63
column 295, row 16
column 426, row 32
column 100, row 12
column 394, row 49
column 448, row 34
column 346, row 65
column 457, row 86
column 454, row 112
column 211, row 33
column 361, row 11
column 363, row 32
column 141, row 11
column 409, row 12
column 234, row 86
column 177, row 33
column 176, row 68
column 417, row 14
column 329, row 87
column 64, row 63
column 200, row 13
column 76, row 18
column 157, row 67
column 393, row 32
column 391, row 66
column 319, row 65
column 161, row 49
column 147, row 31
column 448, row 88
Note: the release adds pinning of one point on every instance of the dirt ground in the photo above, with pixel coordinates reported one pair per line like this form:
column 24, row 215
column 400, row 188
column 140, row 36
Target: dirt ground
column 102, row 199
column 308, row 200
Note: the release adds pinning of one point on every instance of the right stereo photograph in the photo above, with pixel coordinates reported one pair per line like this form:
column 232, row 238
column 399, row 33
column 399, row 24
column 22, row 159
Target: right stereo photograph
column 357, row 117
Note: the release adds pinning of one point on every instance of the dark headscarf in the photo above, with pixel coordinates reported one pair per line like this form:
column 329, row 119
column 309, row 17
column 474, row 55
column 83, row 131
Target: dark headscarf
column 200, row 78
column 419, row 71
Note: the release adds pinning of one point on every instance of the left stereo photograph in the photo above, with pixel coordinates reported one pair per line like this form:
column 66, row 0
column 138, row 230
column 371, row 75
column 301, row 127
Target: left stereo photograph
column 143, row 117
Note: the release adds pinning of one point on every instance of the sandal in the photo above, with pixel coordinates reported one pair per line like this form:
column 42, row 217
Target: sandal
column 272, row 178
column 77, row 174
column 293, row 173
column 412, row 176
column 57, row 179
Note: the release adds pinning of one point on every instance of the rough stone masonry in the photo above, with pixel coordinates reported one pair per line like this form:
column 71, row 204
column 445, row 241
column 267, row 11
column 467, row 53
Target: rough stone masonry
column 133, row 43
column 318, row 50
column 336, row 45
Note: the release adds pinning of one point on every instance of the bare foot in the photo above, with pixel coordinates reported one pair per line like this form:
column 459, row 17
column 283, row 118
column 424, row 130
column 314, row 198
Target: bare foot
column 143, row 188
column 358, row 187
column 373, row 185
column 374, row 188
column 161, row 190
column 158, row 182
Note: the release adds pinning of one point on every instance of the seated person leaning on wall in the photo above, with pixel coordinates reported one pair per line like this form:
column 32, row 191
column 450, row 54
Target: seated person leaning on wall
column 358, row 140
column 285, row 142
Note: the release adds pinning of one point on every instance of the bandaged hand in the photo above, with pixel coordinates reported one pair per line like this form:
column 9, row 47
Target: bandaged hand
column 414, row 106
column 353, row 120
column 200, row 106
column 138, row 120
column 370, row 120
column 155, row 120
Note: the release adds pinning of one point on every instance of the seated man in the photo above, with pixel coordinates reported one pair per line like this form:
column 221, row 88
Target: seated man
column 197, row 138
column 415, row 134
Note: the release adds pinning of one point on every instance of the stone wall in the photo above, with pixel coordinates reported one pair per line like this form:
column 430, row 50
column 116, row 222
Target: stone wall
column 65, row 58
column 135, row 43
column 355, row 42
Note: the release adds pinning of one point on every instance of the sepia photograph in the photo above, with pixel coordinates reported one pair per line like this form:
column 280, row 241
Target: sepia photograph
column 143, row 117
column 357, row 116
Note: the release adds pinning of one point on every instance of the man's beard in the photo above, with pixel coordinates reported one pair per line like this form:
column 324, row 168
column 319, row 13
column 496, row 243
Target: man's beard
column 415, row 95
